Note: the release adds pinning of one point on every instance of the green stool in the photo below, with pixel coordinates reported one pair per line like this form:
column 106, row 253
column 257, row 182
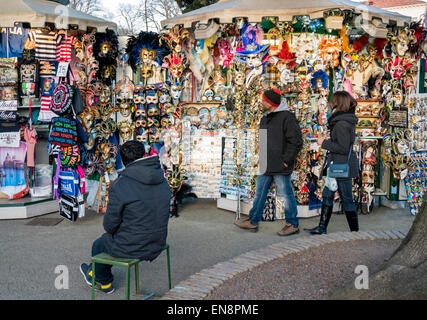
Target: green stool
column 105, row 258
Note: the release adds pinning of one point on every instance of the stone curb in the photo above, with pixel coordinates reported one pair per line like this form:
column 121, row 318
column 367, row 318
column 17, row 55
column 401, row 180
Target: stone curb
column 199, row 285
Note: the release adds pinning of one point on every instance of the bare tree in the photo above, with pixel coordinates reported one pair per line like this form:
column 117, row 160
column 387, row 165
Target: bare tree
column 145, row 15
column 86, row 6
column 165, row 8
column 161, row 10
column 131, row 18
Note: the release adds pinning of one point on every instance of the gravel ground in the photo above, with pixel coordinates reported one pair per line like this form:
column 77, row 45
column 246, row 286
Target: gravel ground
column 311, row 274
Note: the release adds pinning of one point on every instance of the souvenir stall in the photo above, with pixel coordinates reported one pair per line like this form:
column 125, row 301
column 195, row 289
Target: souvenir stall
column 57, row 68
column 230, row 51
column 193, row 96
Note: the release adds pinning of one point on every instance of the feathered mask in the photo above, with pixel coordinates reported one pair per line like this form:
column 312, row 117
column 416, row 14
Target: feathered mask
column 145, row 48
column 106, row 46
column 106, row 51
column 320, row 76
column 175, row 38
column 288, row 57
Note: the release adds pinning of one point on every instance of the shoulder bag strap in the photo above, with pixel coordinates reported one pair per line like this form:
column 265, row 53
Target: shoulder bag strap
column 349, row 153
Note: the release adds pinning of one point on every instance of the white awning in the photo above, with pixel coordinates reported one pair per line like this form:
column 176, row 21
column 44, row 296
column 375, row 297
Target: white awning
column 255, row 10
column 38, row 12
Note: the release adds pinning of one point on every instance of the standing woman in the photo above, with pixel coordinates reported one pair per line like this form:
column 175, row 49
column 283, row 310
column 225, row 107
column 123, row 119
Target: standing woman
column 342, row 126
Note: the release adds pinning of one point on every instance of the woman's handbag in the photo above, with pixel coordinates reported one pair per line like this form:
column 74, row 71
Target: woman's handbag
column 340, row 170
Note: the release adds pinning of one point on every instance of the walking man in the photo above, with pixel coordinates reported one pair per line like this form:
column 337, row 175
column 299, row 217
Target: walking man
column 280, row 143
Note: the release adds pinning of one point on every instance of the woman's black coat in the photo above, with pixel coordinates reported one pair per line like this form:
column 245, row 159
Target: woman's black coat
column 343, row 135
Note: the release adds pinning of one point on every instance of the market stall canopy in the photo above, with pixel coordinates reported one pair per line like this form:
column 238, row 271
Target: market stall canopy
column 285, row 10
column 39, row 12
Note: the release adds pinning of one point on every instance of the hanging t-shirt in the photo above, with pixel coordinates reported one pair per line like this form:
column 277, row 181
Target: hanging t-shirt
column 48, row 68
column 12, row 182
column 46, row 114
column 46, row 42
column 47, row 85
column 63, row 50
column 9, row 135
column 12, row 41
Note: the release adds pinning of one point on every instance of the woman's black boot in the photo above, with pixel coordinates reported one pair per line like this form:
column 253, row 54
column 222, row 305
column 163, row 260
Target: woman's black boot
column 352, row 219
column 325, row 216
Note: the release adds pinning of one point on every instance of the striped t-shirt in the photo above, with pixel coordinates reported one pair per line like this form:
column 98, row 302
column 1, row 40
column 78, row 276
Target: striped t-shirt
column 63, row 50
column 46, row 42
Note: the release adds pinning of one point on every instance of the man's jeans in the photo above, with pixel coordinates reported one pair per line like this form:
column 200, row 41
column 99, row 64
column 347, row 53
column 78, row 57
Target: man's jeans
column 284, row 188
column 345, row 190
column 103, row 273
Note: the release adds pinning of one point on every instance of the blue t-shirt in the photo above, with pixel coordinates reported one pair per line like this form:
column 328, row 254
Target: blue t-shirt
column 12, row 41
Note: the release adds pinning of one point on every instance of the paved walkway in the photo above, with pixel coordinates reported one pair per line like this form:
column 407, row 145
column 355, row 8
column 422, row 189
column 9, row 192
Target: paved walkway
column 201, row 284
column 200, row 239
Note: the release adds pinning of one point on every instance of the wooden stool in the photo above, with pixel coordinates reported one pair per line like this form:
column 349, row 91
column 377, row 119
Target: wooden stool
column 105, row 258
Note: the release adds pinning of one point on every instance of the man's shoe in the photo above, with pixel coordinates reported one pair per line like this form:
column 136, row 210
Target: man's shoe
column 288, row 230
column 86, row 271
column 247, row 225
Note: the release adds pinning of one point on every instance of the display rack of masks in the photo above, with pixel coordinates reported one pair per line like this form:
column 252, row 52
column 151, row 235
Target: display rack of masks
column 188, row 82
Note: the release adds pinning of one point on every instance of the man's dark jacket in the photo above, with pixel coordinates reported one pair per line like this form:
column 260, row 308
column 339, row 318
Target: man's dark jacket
column 284, row 141
column 342, row 127
column 137, row 215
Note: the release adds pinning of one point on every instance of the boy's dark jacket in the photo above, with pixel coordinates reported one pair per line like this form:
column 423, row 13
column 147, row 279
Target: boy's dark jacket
column 283, row 141
column 137, row 215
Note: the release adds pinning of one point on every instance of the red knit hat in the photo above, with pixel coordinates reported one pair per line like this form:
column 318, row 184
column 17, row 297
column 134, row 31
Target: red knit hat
column 273, row 96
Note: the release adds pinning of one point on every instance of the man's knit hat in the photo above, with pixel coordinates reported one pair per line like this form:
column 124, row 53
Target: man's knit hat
column 273, row 96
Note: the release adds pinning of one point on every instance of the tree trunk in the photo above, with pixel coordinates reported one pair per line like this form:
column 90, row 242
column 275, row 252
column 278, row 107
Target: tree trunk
column 403, row 277
column 413, row 250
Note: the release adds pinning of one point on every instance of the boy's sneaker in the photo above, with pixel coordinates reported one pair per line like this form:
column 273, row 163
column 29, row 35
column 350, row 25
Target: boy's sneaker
column 86, row 271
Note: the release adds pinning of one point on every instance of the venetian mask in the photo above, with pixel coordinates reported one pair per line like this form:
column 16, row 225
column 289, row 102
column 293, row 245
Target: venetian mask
column 141, row 122
column 125, row 130
column 87, row 118
column 164, row 122
column 153, row 110
column 142, row 135
column 176, row 91
column 240, row 22
column 176, row 63
column 164, row 98
column 125, row 107
column 239, row 75
column 147, row 55
column 175, row 38
column 106, row 110
column 154, row 136
column 146, row 71
column 152, row 98
column 397, row 95
column 105, row 49
column 105, row 94
column 401, row 40
column 153, row 122
column 140, row 111
column 79, row 50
